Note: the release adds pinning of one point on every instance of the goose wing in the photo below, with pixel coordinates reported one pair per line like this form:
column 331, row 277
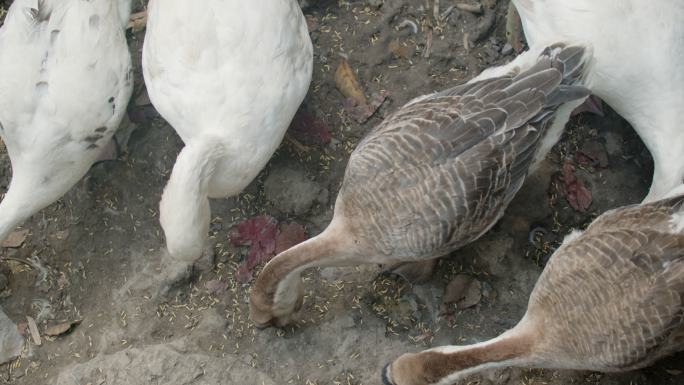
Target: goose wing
column 439, row 172
column 616, row 293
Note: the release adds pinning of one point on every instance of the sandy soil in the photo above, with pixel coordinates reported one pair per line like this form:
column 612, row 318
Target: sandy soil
column 103, row 239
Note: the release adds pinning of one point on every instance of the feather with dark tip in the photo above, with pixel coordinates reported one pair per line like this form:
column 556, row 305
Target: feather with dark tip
column 440, row 171
column 626, row 274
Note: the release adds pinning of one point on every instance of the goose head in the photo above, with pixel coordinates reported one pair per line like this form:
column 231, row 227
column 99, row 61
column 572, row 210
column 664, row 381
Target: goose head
column 278, row 293
column 268, row 308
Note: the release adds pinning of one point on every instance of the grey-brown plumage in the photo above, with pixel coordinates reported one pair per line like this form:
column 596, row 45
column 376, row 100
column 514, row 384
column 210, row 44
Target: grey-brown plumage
column 610, row 299
column 439, row 172
column 616, row 294
column 432, row 177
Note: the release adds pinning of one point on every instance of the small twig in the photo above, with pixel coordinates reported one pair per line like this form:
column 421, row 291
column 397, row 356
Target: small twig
column 435, row 11
column 472, row 8
column 33, row 329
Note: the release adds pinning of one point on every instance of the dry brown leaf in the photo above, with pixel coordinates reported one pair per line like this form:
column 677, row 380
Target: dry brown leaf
column 347, row 83
column 61, row 328
column 137, row 22
column 33, row 329
column 15, row 239
column 400, row 50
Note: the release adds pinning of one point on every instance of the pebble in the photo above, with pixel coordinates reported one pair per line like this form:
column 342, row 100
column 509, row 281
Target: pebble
column 292, row 192
column 507, row 49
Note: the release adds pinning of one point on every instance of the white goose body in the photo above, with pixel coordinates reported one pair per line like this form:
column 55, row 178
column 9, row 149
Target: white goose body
column 65, row 82
column 638, row 54
column 229, row 77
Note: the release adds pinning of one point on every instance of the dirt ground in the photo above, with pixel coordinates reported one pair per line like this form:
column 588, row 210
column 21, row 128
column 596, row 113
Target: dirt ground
column 98, row 243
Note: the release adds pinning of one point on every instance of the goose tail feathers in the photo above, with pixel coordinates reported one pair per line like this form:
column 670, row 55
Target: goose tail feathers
column 572, row 62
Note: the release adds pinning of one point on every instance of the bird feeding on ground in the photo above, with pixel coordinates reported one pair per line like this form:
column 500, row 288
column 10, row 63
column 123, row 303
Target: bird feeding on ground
column 610, row 299
column 432, row 177
column 229, row 77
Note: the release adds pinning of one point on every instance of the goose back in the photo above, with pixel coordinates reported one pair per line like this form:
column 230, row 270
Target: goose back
column 64, row 78
column 616, row 294
column 440, row 171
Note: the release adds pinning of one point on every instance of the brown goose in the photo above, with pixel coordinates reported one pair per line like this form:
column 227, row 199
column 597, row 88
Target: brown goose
column 432, row 177
column 610, row 299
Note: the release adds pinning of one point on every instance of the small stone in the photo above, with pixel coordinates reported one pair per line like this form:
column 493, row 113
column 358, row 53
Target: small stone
column 465, row 291
column 507, row 49
column 11, row 342
column 15, row 239
column 614, row 143
column 216, row 287
column 291, row 191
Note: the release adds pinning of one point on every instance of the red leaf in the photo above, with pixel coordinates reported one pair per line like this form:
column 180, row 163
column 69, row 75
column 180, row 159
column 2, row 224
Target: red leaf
column 290, row 235
column 310, row 130
column 259, row 233
column 575, row 191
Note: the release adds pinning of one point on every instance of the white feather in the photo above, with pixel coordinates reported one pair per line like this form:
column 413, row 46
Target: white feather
column 64, row 85
column 645, row 85
column 229, row 83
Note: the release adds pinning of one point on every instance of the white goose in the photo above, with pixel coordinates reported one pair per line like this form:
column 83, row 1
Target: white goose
column 228, row 76
column 65, row 82
column 638, row 50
